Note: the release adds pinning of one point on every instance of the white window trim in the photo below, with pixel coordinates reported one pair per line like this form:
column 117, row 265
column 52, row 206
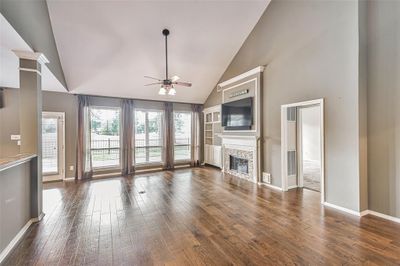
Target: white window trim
column 141, row 109
column 190, row 144
column 109, row 167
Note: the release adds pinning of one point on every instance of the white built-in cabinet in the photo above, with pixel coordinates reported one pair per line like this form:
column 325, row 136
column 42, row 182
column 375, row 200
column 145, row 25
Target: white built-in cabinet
column 212, row 138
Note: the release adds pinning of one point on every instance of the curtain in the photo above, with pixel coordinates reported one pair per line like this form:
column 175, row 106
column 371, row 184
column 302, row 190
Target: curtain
column 196, row 151
column 127, row 137
column 84, row 168
column 169, row 136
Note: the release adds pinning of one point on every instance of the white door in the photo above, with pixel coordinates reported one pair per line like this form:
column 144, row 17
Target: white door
column 53, row 140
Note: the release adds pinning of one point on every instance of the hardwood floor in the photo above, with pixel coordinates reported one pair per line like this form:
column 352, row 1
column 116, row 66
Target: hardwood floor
column 198, row 217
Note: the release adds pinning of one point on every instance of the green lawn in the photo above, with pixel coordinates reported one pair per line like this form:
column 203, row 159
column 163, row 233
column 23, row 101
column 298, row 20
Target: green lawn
column 180, row 152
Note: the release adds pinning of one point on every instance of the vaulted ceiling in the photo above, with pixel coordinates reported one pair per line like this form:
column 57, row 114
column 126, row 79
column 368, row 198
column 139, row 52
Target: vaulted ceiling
column 9, row 62
column 107, row 47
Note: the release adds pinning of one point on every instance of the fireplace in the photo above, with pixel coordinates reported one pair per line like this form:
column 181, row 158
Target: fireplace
column 239, row 165
column 239, row 162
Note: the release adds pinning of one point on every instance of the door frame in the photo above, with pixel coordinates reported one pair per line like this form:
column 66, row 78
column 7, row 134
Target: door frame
column 61, row 161
column 284, row 135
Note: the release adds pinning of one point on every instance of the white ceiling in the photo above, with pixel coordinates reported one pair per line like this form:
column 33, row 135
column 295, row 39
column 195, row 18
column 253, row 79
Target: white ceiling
column 106, row 47
column 9, row 62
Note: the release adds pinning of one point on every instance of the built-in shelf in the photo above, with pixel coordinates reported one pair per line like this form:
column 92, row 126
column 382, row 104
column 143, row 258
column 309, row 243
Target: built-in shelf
column 212, row 140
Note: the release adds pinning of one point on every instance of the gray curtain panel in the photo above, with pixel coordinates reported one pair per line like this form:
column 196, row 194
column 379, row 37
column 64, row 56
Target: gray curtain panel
column 84, row 169
column 128, row 135
column 169, row 136
column 196, row 141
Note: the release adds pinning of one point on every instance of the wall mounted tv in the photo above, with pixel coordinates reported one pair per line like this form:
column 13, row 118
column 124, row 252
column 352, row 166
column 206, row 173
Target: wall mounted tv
column 238, row 115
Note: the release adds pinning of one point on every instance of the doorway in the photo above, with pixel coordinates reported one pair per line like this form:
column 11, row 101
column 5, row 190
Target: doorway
column 53, row 146
column 309, row 147
column 302, row 149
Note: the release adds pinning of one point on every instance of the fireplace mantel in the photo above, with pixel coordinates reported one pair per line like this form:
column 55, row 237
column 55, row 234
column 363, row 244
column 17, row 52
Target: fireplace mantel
column 239, row 140
column 243, row 146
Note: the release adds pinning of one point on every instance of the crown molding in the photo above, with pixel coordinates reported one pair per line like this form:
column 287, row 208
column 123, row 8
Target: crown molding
column 242, row 76
column 40, row 57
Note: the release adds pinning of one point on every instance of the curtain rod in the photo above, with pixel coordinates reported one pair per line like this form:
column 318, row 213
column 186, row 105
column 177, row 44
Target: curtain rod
column 135, row 99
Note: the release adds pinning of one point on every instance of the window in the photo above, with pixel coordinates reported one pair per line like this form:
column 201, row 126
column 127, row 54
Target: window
column 105, row 137
column 182, row 136
column 148, row 136
column 50, row 145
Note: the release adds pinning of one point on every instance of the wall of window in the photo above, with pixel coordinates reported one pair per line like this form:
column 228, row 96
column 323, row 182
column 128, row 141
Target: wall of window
column 105, row 126
column 149, row 136
column 182, row 135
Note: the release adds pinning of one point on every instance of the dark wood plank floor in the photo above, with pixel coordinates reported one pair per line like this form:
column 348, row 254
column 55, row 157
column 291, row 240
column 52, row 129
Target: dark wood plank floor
column 198, row 217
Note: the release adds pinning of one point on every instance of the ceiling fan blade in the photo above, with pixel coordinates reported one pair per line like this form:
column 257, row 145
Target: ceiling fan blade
column 152, row 78
column 175, row 78
column 185, row 84
column 155, row 83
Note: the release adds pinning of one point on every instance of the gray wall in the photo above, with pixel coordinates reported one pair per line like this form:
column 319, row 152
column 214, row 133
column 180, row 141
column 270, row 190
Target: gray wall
column 15, row 198
column 67, row 103
column 9, row 123
column 30, row 18
column 384, row 106
column 311, row 51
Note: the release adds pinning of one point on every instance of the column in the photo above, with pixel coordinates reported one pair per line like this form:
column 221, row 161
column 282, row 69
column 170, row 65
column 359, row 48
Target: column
column 30, row 120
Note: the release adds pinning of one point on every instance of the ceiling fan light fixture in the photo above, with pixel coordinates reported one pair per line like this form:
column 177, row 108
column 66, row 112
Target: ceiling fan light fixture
column 172, row 91
column 162, row 91
column 167, row 84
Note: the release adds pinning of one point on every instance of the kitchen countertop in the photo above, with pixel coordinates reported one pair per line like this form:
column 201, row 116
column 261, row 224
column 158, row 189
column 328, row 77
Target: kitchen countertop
column 11, row 161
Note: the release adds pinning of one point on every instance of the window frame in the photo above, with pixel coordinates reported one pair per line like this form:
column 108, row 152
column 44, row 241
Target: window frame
column 108, row 167
column 183, row 161
column 146, row 163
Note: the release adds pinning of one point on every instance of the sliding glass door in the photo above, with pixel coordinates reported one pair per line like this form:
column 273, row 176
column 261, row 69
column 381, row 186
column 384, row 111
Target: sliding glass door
column 148, row 137
column 105, row 137
column 182, row 136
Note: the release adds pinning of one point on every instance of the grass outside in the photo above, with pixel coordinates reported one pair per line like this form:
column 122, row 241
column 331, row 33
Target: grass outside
column 155, row 154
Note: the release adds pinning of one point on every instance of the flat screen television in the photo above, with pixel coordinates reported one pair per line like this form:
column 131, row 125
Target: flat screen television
column 238, row 115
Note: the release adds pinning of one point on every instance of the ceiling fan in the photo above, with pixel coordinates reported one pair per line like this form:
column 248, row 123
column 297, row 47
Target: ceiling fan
column 167, row 84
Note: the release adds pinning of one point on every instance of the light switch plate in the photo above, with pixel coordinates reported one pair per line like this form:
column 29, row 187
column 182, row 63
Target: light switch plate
column 15, row 137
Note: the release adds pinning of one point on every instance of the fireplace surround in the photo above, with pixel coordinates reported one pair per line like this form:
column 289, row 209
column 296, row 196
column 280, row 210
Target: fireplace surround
column 240, row 157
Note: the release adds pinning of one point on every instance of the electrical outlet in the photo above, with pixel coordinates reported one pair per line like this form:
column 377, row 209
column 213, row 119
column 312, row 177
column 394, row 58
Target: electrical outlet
column 71, row 168
column 267, row 178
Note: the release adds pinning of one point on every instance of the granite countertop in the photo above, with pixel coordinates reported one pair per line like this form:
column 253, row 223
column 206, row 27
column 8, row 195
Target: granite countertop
column 11, row 161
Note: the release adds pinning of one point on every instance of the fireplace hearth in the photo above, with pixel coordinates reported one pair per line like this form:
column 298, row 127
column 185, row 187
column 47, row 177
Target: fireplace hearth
column 239, row 165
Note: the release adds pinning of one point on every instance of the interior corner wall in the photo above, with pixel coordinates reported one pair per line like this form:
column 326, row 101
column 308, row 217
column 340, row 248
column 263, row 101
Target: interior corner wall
column 383, row 106
column 362, row 103
column 311, row 51
column 67, row 103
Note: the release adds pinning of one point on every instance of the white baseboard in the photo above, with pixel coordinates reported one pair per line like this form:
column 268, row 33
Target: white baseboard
column 356, row 213
column 270, row 186
column 38, row 219
column 7, row 250
column 384, row 216
column 363, row 213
